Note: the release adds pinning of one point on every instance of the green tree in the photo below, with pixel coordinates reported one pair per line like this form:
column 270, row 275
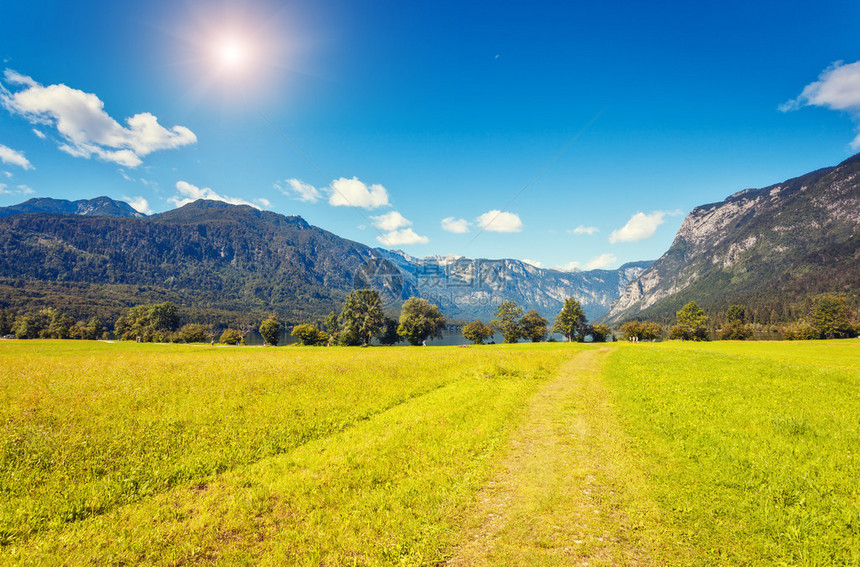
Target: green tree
column 477, row 331
column 7, row 321
column 830, row 317
column 599, row 332
column 195, row 333
column 309, row 335
column 26, row 326
column 231, row 337
column 507, row 321
column 58, row 323
column 361, row 316
column 571, row 321
column 270, row 329
column 148, row 322
column 642, row 330
column 534, row 326
column 737, row 314
column 389, row 335
column 799, row 331
column 694, row 321
column 163, row 316
column 332, row 326
column 420, row 320
column 94, row 329
column 736, row 328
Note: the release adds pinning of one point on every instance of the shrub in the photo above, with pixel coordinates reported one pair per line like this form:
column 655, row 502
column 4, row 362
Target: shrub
column 309, row 335
column 231, row 337
column 195, row 333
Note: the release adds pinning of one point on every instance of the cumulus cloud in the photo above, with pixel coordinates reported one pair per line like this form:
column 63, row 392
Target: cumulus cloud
column 300, row 191
column 602, row 261
column 264, row 203
column 86, row 129
column 139, row 204
column 396, row 234
column 455, row 225
column 640, row 226
column 569, row 267
column 189, row 193
column 355, row 193
column 14, row 157
column 341, row 192
column 837, row 88
column 498, row 221
column 390, row 221
column 535, row 263
column 582, row 229
column 400, row 237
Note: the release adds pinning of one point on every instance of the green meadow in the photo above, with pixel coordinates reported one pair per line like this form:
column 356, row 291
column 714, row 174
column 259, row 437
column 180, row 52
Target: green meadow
column 535, row 454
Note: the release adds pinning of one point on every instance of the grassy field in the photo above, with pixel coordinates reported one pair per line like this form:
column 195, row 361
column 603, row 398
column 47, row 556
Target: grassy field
column 664, row 454
column 751, row 450
column 162, row 453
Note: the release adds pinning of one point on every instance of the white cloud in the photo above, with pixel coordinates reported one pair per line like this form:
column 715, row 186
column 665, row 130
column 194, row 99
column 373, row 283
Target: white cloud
column 569, row 267
column 400, row 237
column 342, row 192
column 189, row 193
column 14, row 157
column 355, row 193
column 582, row 229
column 602, row 261
column 498, row 221
column 390, row 221
column 457, row 226
column 139, row 204
column 8, row 174
column 87, row 129
column 41, row 135
column 300, row 191
column 640, row 226
column 534, row 263
column 264, row 203
column 17, row 78
column 20, row 190
column 837, row 88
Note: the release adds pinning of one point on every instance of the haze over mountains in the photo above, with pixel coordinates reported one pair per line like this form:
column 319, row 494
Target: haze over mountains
column 771, row 249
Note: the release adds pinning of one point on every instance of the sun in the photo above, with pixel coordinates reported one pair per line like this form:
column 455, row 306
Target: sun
column 232, row 54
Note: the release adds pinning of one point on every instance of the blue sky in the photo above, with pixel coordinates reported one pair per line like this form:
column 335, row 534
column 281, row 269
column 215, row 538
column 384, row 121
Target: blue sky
column 566, row 133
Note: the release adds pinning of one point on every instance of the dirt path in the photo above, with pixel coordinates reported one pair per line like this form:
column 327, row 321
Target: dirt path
column 564, row 492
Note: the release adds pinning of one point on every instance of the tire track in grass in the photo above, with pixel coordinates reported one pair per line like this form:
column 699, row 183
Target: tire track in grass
column 566, row 493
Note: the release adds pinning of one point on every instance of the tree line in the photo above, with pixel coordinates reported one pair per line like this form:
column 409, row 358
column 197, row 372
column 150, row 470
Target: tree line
column 362, row 320
column 828, row 317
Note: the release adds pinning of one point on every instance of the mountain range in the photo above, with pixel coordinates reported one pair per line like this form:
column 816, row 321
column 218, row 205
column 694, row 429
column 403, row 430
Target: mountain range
column 772, row 249
column 226, row 261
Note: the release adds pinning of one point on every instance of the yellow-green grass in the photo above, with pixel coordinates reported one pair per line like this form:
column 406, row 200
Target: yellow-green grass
column 129, row 453
column 567, row 491
column 669, row 454
column 751, row 451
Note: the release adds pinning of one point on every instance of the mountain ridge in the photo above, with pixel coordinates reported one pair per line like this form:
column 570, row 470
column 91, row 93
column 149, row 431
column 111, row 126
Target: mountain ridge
column 756, row 243
column 100, row 206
